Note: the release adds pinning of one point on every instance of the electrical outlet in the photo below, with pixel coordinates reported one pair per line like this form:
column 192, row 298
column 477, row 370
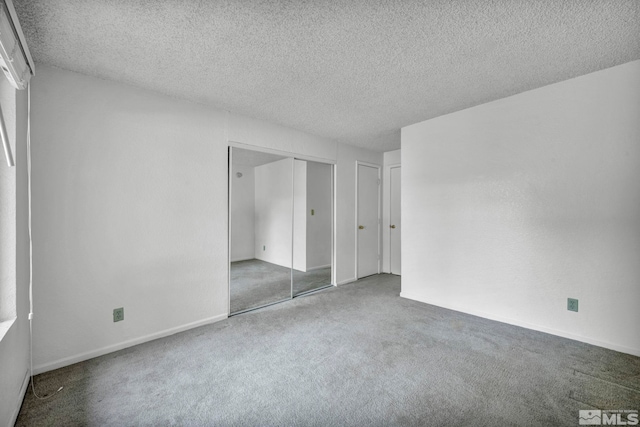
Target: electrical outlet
column 572, row 304
column 118, row 314
column 313, row 211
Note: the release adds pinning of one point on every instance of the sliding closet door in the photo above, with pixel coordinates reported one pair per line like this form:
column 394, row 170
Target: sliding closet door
column 261, row 218
column 312, row 226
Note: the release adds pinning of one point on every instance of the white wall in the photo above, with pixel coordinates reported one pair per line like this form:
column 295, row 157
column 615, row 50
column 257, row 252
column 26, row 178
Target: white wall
column 242, row 212
column 390, row 158
column 259, row 133
column 513, row 206
column 130, row 210
column 14, row 264
column 273, row 214
column 318, row 226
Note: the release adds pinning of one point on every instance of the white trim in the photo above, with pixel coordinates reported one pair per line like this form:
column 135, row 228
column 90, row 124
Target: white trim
column 242, row 259
column 373, row 165
column 23, row 41
column 334, row 225
column 21, row 394
column 293, row 225
column 319, row 267
column 386, row 214
column 66, row 361
column 552, row 331
column 344, row 282
column 388, row 197
column 298, row 156
column 229, row 196
column 355, row 224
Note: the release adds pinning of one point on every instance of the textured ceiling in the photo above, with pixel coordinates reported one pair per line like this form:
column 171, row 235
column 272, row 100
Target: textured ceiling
column 352, row 71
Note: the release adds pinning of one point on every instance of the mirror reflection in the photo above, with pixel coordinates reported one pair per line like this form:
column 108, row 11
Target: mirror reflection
column 312, row 225
column 261, row 200
column 280, row 213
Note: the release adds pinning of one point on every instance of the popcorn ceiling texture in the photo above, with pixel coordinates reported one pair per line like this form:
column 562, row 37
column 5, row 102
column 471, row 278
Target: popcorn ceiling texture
column 353, row 71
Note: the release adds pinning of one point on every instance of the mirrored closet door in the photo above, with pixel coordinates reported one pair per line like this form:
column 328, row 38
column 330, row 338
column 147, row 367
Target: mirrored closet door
column 312, row 226
column 260, row 216
column 281, row 226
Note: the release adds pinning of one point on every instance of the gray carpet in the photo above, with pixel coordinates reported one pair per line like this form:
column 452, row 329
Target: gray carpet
column 309, row 280
column 255, row 283
column 357, row 355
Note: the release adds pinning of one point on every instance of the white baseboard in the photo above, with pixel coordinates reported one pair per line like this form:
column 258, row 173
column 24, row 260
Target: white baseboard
column 21, row 394
column 119, row 346
column 242, row 259
column 318, row 267
column 552, row 331
column 344, row 282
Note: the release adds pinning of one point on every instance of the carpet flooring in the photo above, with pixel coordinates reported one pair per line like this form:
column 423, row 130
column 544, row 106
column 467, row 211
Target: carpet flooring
column 255, row 283
column 356, row 355
column 306, row 281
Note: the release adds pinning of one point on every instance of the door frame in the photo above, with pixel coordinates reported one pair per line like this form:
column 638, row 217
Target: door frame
column 379, row 168
column 334, row 191
column 386, row 216
column 389, row 168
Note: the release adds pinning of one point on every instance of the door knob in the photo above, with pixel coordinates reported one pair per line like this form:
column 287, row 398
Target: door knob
column 392, row 226
column 361, row 227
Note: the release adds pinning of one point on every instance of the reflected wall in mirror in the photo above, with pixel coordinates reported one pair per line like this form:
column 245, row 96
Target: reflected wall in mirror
column 261, row 218
column 312, row 226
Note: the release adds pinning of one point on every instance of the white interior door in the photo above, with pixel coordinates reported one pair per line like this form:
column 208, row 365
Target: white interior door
column 368, row 230
column 394, row 250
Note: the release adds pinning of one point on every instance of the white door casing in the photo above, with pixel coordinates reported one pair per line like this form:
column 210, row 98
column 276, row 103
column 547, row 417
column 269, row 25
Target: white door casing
column 394, row 221
column 368, row 219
